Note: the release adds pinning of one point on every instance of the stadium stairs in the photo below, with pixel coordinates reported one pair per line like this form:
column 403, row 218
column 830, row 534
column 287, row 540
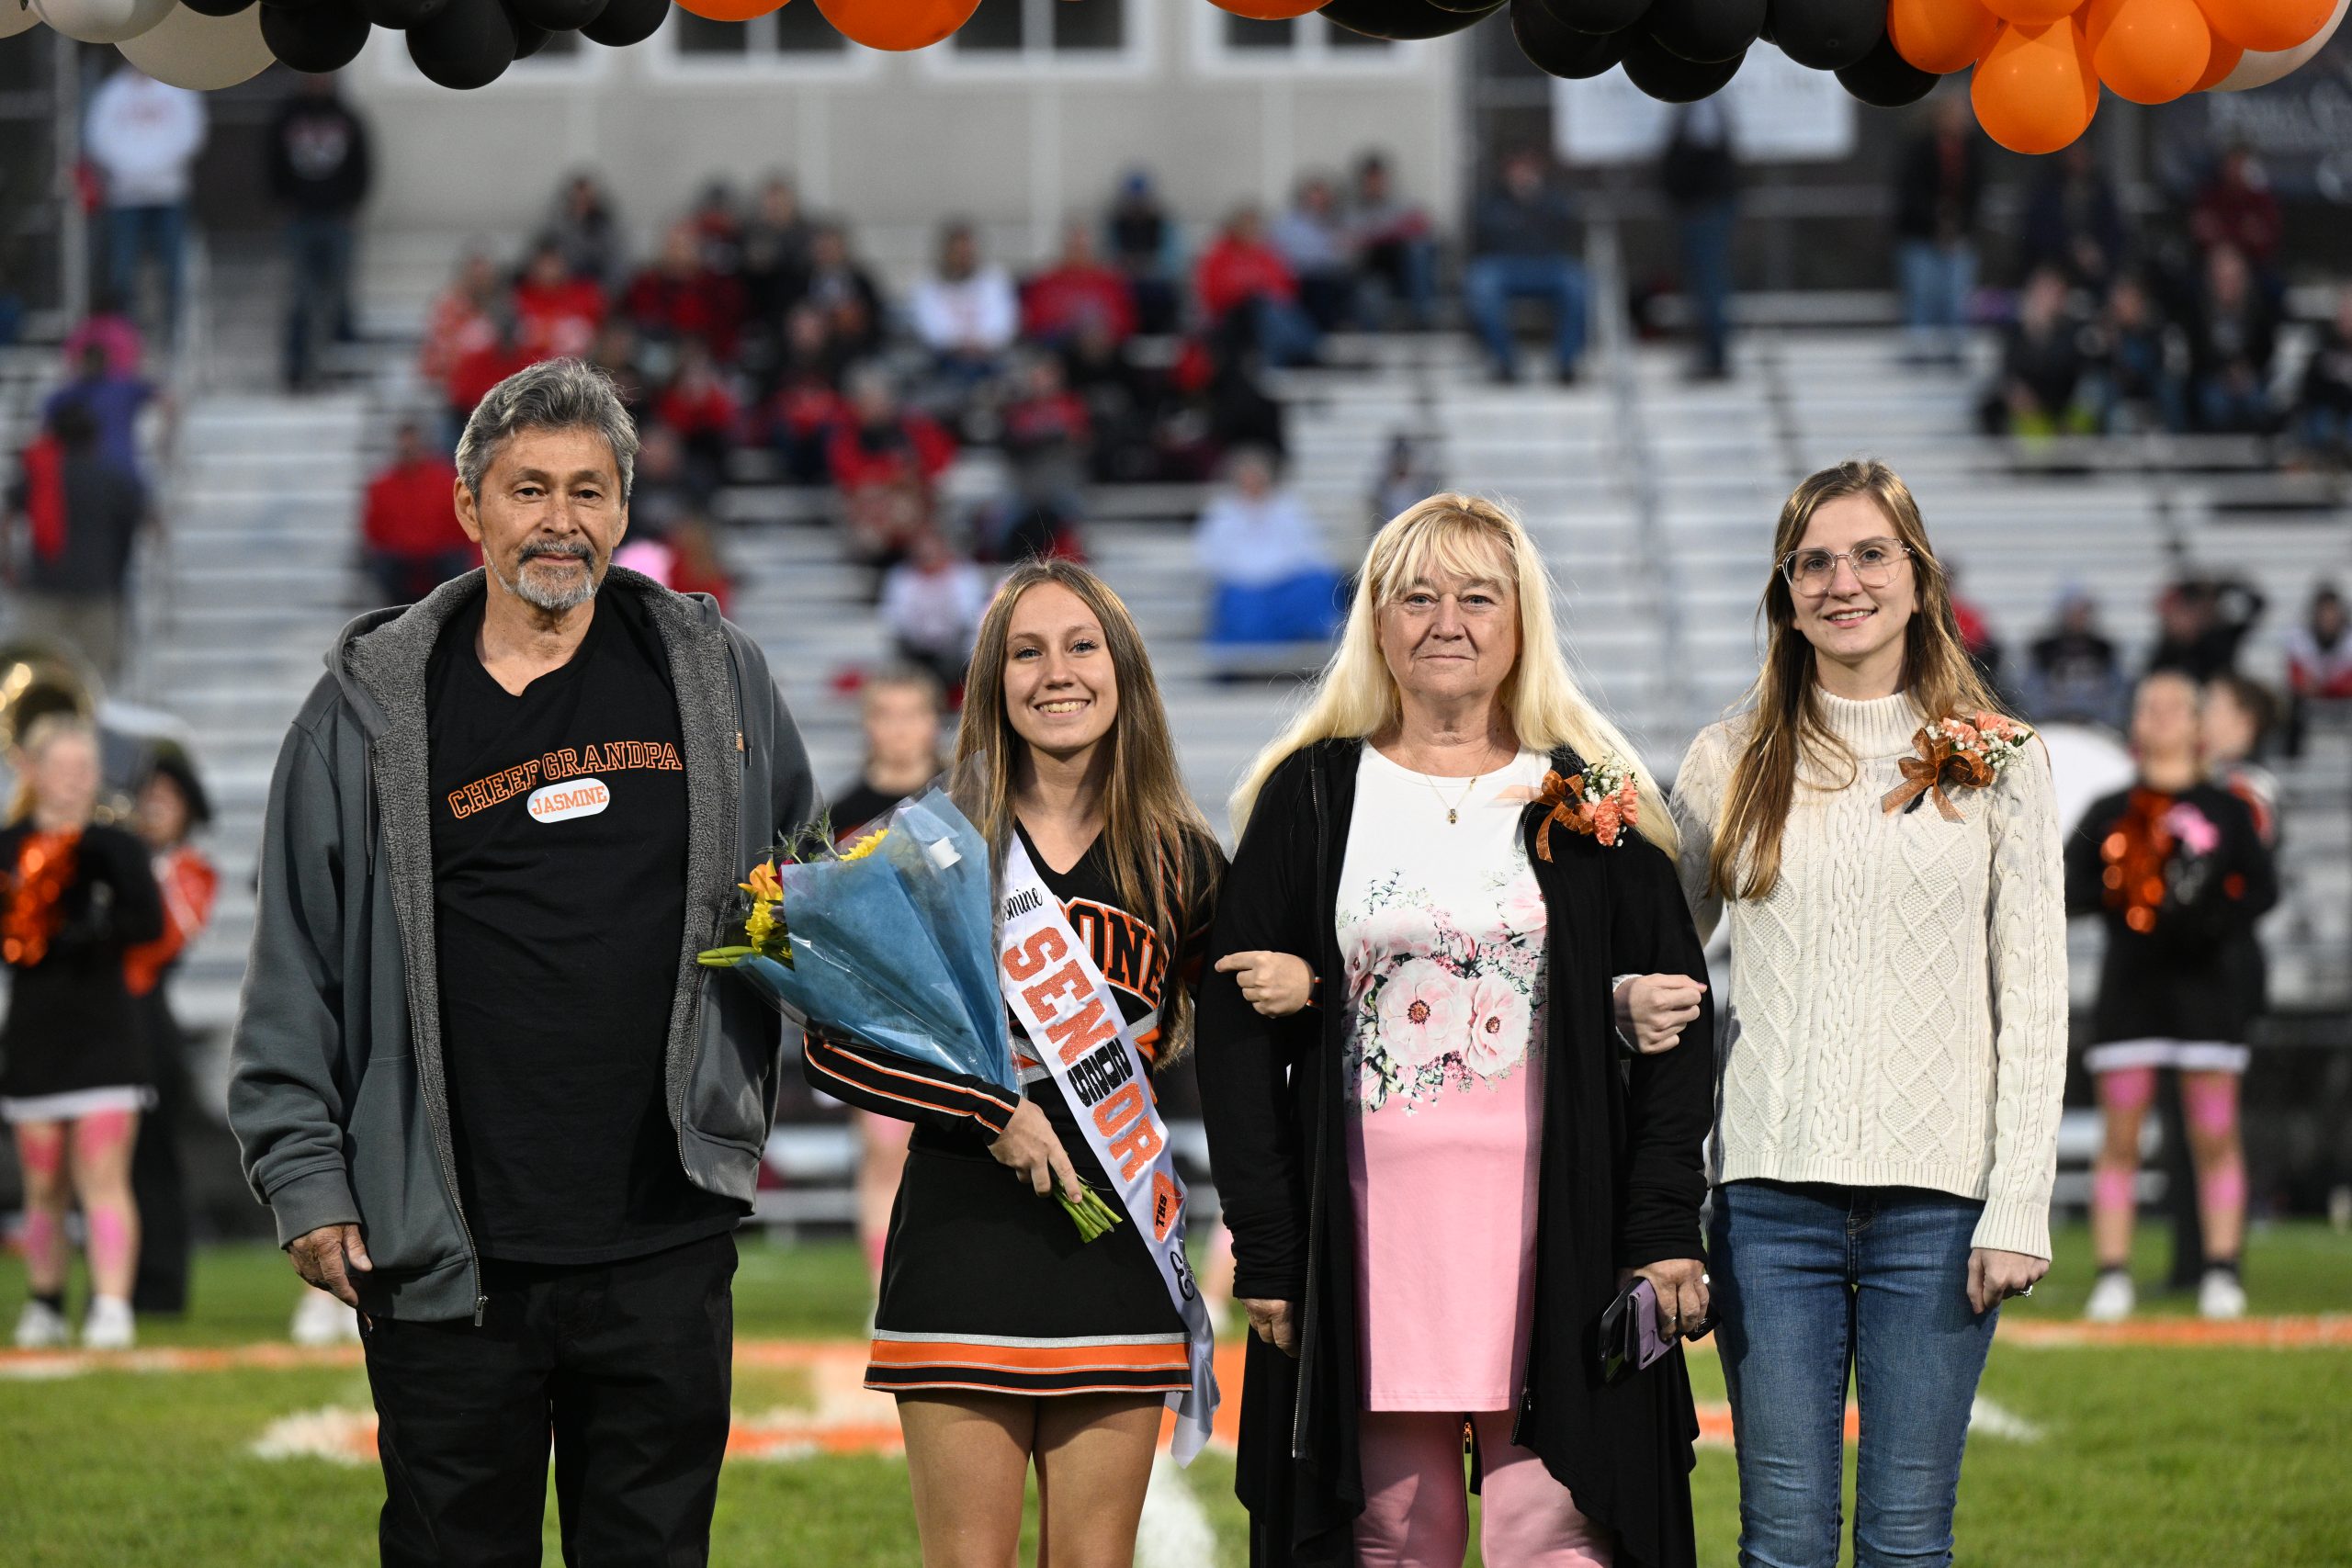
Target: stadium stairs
column 1652, row 496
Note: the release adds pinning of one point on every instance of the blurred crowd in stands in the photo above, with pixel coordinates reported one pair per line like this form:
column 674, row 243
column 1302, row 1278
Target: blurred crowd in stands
column 2123, row 328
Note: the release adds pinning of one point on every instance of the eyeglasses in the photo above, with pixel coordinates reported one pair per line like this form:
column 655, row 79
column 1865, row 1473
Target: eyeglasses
column 1873, row 560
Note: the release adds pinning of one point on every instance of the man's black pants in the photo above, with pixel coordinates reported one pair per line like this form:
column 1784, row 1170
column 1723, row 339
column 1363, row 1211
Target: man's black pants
column 625, row 1365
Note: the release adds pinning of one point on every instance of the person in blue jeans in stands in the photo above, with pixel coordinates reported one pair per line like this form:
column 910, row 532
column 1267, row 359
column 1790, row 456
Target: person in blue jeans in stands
column 1523, row 240
column 1887, row 1120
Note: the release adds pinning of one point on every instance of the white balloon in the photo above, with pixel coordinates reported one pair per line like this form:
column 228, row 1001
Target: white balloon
column 15, row 16
column 103, row 21
column 188, row 48
column 2260, row 68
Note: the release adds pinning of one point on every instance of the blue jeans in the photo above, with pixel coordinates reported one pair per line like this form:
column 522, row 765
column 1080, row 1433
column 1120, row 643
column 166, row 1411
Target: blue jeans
column 133, row 232
column 1490, row 285
column 1706, row 279
column 1813, row 1282
column 319, row 247
column 1937, row 282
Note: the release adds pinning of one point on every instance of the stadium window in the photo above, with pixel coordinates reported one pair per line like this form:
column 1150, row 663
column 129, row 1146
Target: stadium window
column 1307, row 42
column 1049, row 35
column 794, row 38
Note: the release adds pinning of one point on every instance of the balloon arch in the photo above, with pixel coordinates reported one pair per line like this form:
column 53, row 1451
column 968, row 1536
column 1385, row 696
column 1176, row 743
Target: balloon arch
column 2038, row 65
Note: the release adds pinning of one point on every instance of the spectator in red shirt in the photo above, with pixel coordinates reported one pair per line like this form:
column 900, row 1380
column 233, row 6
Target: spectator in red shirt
column 1080, row 286
column 680, row 297
column 560, row 313
column 481, row 369
column 883, row 442
column 1048, row 434
column 461, row 319
column 1243, row 279
column 806, row 403
column 700, row 407
column 409, row 531
column 2319, row 663
column 2236, row 208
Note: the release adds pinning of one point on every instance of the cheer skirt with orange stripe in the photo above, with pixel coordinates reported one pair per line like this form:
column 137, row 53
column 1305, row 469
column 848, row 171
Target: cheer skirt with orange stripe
column 987, row 1288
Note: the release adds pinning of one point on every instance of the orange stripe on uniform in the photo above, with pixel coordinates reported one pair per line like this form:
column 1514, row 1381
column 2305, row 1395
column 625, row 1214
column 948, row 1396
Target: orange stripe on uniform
column 1029, row 1358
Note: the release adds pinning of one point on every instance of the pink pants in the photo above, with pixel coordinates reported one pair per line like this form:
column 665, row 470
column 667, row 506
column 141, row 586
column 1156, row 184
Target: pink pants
column 1417, row 1501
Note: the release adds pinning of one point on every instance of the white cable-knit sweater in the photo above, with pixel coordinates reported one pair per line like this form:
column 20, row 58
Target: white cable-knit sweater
column 1899, row 1016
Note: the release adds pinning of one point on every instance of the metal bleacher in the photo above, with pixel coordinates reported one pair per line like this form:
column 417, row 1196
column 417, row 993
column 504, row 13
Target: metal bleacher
column 1652, row 497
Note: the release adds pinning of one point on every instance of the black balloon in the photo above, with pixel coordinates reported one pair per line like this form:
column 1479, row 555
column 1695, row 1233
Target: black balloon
column 400, row 15
column 1669, row 78
column 1596, row 16
column 1705, row 32
column 1884, row 78
column 1403, row 18
column 1551, row 46
column 624, row 22
column 1827, row 35
column 317, row 38
column 215, row 8
column 557, row 15
column 529, row 37
column 1478, row 7
column 469, row 44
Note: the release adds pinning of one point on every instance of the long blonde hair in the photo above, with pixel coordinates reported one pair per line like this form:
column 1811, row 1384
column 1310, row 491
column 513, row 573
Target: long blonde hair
column 1788, row 723
column 1153, row 833
column 1355, row 698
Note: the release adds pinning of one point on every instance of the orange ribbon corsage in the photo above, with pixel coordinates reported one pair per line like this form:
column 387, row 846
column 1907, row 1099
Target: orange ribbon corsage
column 1956, row 754
column 1600, row 803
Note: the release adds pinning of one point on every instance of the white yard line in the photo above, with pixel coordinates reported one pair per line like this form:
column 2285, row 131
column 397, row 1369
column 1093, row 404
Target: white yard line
column 1996, row 1421
column 1174, row 1532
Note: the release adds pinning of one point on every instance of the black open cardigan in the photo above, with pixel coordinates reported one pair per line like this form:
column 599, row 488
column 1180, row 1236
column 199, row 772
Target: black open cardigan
column 1621, row 1183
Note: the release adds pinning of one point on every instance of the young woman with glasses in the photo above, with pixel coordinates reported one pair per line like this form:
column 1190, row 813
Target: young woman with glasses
column 1888, row 1110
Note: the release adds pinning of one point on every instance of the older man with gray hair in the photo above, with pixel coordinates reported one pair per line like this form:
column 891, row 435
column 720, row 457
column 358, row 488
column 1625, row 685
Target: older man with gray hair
column 479, row 1079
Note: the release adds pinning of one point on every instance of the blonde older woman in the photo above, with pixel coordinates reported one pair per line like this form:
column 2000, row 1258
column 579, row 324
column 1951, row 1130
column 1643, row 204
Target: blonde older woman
column 1439, row 1178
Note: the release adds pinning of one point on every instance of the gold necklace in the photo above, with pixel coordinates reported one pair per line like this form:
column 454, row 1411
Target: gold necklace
column 1453, row 812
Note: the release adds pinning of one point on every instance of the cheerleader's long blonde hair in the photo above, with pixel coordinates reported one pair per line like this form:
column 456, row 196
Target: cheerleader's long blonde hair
column 1356, row 698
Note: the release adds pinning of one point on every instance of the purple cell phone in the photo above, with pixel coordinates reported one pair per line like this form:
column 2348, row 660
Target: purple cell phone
column 1629, row 1337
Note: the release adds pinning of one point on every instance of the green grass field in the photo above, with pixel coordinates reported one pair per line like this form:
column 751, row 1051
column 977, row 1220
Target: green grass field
column 2136, row 1457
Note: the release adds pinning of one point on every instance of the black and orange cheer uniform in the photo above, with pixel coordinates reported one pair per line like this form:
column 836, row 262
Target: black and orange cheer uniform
column 986, row 1285
column 2179, row 880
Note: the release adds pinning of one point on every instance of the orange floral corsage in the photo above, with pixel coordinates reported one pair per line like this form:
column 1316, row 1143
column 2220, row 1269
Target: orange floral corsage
column 1957, row 753
column 1601, row 803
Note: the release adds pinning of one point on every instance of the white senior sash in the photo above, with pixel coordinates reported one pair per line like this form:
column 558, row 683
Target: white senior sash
column 1074, row 1024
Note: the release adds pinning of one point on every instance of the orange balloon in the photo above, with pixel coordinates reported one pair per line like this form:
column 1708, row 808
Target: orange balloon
column 1270, row 10
column 2224, row 61
column 731, row 10
column 2033, row 13
column 2150, row 51
column 2267, row 23
column 2034, row 90
column 1941, row 36
column 896, row 24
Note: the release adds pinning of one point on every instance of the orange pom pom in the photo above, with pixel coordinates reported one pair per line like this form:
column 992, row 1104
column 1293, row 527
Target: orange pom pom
column 1941, row 36
column 2034, row 90
column 2150, row 51
column 731, row 10
column 896, row 24
column 2268, row 25
column 2033, row 13
column 1270, row 10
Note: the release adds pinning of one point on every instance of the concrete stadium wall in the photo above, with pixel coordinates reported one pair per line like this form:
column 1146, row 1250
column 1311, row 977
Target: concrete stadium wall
column 895, row 142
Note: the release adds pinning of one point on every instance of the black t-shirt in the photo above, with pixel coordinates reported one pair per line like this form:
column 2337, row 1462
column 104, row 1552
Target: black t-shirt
column 559, row 869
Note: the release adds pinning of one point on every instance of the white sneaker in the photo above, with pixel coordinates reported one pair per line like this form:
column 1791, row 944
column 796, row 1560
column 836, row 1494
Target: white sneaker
column 2112, row 1298
column 41, row 1327
column 109, row 1325
column 321, row 1320
column 2220, row 1296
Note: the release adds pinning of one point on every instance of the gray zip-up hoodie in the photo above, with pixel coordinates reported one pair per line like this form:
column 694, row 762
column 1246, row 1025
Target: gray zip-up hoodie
column 338, row 1093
